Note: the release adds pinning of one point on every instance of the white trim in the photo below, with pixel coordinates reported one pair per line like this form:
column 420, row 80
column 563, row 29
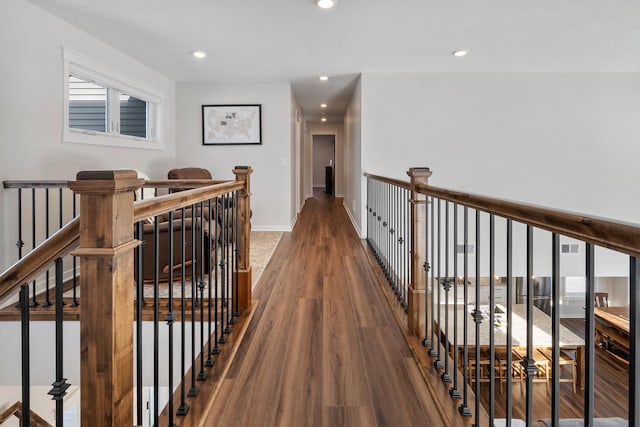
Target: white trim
column 353, row 222
column 83, row 67
column 283, row 228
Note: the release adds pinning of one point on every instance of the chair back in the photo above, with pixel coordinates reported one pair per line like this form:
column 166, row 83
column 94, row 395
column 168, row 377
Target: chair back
column 601, row 299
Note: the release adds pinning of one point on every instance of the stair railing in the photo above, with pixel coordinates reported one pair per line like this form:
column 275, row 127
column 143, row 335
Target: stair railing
column 106, row 237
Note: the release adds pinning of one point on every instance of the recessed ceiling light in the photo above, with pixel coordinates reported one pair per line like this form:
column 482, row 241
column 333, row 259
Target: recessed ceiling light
column 459, row 53
column 324, row 119
column 326, row 4
column 199, row 54
column 323, row 105
column 324, row 78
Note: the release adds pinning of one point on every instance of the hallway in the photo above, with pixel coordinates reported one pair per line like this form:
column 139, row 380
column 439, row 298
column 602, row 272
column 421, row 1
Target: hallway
column 323, row 348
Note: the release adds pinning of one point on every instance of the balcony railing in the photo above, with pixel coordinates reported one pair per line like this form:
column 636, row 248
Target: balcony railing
column 503, row 293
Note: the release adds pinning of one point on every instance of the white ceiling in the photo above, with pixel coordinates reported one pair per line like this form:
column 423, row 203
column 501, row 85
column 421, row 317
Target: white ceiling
column 293, row 40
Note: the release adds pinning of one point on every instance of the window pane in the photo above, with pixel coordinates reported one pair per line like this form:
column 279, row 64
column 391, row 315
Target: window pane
column 133, row 116
column 87, row 105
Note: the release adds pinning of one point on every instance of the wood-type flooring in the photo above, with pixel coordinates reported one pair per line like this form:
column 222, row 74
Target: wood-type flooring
column 323, row 347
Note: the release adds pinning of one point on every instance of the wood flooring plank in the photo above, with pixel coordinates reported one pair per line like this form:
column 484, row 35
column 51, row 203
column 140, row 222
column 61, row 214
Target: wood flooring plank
column 345, row 380
column 348, row 416
column 300, row 402
column 368, row 304
column 394, row 400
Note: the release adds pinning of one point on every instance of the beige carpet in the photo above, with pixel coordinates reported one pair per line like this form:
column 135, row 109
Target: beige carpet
column 263, row 244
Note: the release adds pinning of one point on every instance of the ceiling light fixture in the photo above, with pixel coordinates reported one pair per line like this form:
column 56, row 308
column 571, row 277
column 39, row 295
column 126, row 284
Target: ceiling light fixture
column 459, row 53
column 323, row 105
column 325, row 4
column 324, row 78
column 324, row 119
column 199, row 54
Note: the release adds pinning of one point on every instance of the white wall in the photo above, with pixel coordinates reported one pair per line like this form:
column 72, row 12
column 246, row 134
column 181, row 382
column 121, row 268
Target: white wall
column 565, row 140
column 31, row 108
column 271, row 184
column 354, row 181
column 323, row 147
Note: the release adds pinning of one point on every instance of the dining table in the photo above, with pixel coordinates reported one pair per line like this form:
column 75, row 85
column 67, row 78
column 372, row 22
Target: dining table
column 541, row 333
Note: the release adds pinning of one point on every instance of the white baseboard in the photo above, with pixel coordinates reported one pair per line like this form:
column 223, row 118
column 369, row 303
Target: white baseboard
column 283, row 228
column 353, row 222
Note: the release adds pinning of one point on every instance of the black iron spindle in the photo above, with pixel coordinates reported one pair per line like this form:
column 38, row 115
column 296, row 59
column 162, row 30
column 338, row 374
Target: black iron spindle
column 237, row 252
column 156, row 320
column 492, row 317
column 183, row 409
column 426, row 340
column 454, row 392
column 47, row 300
column 34, row 302
column 26, row 356
column 438, row 363
column 434, row 342
column 75, row 302
column 528, row 363
column 60, row 386
column 446, row 286
column 202, row 375
column 193, row 391
column 555, row 330
column 509, row 318
column 589, row 337
column 634, row 342
column 210, row 261
column 223, row 269
column 138, row 319
column 20, row 242
column 170, row 317
column 464, row 407
column 217, row 232
column 477, row 318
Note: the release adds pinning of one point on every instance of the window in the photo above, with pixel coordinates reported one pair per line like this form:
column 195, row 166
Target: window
column 106, row 108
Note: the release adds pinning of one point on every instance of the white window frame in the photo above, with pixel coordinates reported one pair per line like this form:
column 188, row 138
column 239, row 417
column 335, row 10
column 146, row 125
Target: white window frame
column 87, row 69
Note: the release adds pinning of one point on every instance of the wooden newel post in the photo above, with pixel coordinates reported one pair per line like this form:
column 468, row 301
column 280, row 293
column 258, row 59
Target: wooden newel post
column 243, row 174
column 106, row 307
column 417, row 276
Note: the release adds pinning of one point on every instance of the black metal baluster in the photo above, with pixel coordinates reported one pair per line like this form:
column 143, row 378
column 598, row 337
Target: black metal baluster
column 438, row 363
column 229, row 307
column 454, row 392
column 233, row 265
column 434, row 342
column 477, row 318
column 34, row 302
column 47, row 300
column 589, row 344
column 217, row 322
column 156, row 321
column 446, row 286
column 555, row 330
column 509, row 318
column 26, row 356
column 183, row 409
column 170, row 318
column 20, row 242
column 138, row 320
column 407, row 268
column 60, row 386
column 393, row 232
column 75, row 302
column 193, row 391
column 426, row 340
column 464, row 407
column 223, row 270
column 236, row 313
column 528, row 363
column 492, row 317
column 202, row 375
column 634, row 342
column 210, row 262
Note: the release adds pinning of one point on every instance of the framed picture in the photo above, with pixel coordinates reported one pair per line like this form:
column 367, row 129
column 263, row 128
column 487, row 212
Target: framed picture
column 238, row 124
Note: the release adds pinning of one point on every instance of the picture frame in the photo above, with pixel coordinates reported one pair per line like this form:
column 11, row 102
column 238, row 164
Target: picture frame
column 232, row 124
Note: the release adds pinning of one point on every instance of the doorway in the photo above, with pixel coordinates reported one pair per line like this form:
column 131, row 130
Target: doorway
column 324, row 159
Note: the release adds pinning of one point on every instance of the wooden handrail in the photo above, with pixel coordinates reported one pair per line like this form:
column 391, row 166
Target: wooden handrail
column 392, row 181
column 162, row 204
column 60, row 244
column 16, row 410
column 44, row 183
column 66, row 239
column 615, row 235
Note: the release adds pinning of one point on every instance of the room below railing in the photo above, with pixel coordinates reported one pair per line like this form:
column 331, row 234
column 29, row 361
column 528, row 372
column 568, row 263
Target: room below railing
column 503, row 296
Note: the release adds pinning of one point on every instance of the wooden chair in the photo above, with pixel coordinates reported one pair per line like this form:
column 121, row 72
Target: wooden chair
column 541, row 363
column 482, row 365
column 601, row 299
column 567, row 364
column 504, row 371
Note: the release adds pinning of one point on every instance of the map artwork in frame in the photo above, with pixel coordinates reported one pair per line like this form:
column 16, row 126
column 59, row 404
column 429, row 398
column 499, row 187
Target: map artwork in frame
column 238, row 124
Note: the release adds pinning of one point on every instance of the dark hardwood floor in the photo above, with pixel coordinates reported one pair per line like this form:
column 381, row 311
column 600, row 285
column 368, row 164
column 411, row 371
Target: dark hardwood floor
column 323, row 347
